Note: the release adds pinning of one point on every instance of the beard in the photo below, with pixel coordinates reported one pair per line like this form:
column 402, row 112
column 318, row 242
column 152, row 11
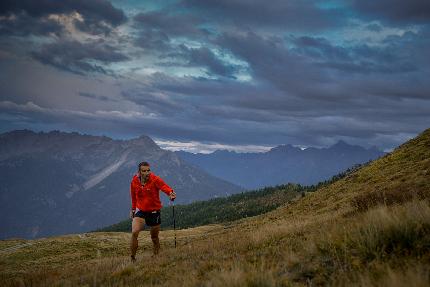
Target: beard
column 144, row 177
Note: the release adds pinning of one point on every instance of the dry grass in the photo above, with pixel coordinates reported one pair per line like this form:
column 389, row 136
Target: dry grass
column 413, row 274
column 283, row 253
column 382, row 237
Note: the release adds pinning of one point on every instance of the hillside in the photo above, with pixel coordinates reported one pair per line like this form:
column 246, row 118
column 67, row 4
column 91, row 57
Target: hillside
column 370, row 228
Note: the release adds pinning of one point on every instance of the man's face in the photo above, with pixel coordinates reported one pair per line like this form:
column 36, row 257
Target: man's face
column 144, row 171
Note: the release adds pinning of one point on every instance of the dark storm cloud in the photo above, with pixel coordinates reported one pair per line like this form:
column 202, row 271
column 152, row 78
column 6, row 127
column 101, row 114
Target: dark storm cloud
column 92, row 26
column 157, row 28
column 320, row 48
column 173, row 24
column 97, row 14
column 204, row 20
column 356, row 58
column 157, row 41
column 25, row 25
column 278, row 14
column 309, row 67
column 395, row 11
column 79, row 57
column 97, row 9
column 270, row 60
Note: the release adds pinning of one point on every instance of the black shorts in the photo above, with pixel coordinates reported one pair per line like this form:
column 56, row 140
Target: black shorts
column 152, row 218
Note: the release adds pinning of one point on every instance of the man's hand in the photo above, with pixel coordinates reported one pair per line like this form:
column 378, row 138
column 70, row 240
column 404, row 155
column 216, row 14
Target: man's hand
column 132, row 213
column 172, row 196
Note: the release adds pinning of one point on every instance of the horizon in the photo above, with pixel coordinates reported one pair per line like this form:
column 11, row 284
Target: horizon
column 243, row 75
column 199, row 148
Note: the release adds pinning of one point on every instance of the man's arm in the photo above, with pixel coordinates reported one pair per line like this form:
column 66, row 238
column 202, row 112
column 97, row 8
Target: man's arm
column 133, row 199
column 161, row 185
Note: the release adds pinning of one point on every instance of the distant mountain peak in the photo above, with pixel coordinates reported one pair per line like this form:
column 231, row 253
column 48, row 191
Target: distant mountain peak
column 18, row 133
column 144, row 140
column 284, row 148
column 342, row 145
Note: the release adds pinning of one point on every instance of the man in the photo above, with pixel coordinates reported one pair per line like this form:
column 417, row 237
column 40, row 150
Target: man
column 146, row 205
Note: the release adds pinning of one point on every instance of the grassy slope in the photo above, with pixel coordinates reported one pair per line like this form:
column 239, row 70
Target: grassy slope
column 371, row 228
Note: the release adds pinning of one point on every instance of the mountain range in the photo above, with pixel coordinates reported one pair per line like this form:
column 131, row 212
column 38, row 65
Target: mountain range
column 282, row 164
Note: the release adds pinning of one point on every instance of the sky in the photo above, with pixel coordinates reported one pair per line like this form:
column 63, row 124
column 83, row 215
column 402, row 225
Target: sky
column 199, row 75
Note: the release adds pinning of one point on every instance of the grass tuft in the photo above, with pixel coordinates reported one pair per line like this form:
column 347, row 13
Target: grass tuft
column 368, row 200
column 383, row 234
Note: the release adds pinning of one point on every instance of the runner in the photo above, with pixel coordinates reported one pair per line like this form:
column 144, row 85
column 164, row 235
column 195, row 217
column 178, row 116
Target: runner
column 146, row 205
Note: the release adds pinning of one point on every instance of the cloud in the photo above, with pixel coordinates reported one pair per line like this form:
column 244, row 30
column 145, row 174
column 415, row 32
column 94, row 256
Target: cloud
column 293, row 15
column 171, row 23
column 200, row 57
column 187, row 33
column 396, row 12
column 153, row 40
column 338, row 74
column 360, row 58
column 68, row 34
column 320, row 48
column 270, row 60
column 152, row 99
column 198, row 147
column 96, row 15
column 96, row 97
column 158, row 28
column 79, row 58
column 31, row 107
column 24, row 25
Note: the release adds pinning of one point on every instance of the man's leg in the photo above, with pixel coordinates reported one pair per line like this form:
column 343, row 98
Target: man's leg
column 155, row 240
column 136, row 226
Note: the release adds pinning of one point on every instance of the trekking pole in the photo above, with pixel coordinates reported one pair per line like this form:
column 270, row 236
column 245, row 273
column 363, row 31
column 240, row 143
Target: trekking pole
column 174, row 219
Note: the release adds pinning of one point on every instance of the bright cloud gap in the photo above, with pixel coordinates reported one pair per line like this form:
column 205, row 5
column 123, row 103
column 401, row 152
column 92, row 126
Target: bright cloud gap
column 206, row 148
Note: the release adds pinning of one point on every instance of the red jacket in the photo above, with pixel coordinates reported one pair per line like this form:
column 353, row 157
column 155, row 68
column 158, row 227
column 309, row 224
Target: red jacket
column 147, row 197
